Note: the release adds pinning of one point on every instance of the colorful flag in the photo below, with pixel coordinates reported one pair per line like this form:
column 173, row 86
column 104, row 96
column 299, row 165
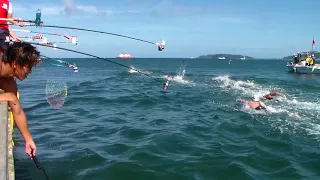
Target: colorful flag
column 313, row 42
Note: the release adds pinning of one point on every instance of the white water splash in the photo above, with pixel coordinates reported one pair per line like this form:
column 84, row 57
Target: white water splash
column 180, row 77
column 285, row 114
column 134, row 70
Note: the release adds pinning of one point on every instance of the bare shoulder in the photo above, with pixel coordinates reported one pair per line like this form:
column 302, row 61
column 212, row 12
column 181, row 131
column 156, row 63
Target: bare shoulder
column 8, row 85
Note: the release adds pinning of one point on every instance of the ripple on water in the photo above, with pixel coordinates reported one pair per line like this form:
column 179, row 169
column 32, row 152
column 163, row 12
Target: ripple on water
column 120, row 125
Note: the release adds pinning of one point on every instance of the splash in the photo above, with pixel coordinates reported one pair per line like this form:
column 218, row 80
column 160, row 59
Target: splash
column 247, row 87
column 288, row 115
column 179, row 78
column 132, row 70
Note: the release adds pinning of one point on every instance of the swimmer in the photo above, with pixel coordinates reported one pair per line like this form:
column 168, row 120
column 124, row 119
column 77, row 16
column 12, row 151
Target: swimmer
column 165, row 85
column 257, row 105
column 270, row 95
column 168, row 77
column 231, row 85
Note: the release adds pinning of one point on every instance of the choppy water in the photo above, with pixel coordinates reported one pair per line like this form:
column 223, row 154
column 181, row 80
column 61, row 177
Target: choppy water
column 117, row 124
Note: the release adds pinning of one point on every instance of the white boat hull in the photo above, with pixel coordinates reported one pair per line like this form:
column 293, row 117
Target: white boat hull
column 304, row 69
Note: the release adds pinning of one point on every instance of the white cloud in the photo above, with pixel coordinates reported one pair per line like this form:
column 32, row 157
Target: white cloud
column 71, row 8
column 162, row 9
column 56, row 10
column 67, row 8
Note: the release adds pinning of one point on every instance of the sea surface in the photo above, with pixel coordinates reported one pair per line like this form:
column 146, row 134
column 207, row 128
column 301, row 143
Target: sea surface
column 118, row 124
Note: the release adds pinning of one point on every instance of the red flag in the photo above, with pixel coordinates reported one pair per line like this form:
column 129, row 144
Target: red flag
column 313, row 42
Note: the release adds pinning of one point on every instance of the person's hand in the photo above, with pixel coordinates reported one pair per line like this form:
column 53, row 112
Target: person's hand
column 30, row 148
column 19, row 22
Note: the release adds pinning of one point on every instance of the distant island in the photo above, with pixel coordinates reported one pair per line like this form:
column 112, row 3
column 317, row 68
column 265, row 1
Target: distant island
column 225, row 56
column 316, row 55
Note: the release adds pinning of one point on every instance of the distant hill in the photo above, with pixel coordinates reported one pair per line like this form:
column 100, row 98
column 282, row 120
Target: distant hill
column 227, row 56
column 316, row 55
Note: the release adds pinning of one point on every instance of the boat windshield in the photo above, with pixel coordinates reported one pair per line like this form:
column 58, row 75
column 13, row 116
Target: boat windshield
column 303, row 56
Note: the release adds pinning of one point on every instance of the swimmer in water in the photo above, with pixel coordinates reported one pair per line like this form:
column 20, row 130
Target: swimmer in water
column 75, row 69
column 168, row 77
column 257, row 105
column 270, row 95
column 231, row 85
column 165, row 85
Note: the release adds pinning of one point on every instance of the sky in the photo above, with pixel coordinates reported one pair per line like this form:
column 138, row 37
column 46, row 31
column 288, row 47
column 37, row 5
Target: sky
column 257, row 28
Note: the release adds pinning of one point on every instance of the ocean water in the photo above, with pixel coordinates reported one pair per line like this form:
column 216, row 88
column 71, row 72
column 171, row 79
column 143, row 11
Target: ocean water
column 119, row 124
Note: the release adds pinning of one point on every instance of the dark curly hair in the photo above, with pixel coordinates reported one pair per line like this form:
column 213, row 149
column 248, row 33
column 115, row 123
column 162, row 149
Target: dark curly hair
column 23, row 53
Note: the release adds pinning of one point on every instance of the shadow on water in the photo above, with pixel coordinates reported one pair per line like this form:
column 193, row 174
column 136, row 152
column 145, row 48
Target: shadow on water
column 303, row 76
column 27, row 170
column 22, row 169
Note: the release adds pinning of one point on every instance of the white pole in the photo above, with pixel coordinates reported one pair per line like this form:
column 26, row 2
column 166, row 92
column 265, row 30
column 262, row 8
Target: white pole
column 21, row 30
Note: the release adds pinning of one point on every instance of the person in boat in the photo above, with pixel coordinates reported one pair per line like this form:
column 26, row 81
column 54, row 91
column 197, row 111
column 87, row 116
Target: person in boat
column 257, row 105
column 270, row 95
column 303, row 62
column 17, row 63
column 312, row 61
column 295, row 59
column 299, row 55
column 6, row 12
column 308, row 60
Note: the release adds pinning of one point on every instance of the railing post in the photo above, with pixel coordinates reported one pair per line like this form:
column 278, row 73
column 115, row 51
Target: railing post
column 3, row 139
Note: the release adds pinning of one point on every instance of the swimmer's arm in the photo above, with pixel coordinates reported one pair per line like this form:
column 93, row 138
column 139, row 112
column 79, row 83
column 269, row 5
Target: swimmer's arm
column 276, row 94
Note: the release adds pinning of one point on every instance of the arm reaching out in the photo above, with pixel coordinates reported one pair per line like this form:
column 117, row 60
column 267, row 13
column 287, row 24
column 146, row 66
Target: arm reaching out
column 16, row 20
column 13, row 36
column 20, row 120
